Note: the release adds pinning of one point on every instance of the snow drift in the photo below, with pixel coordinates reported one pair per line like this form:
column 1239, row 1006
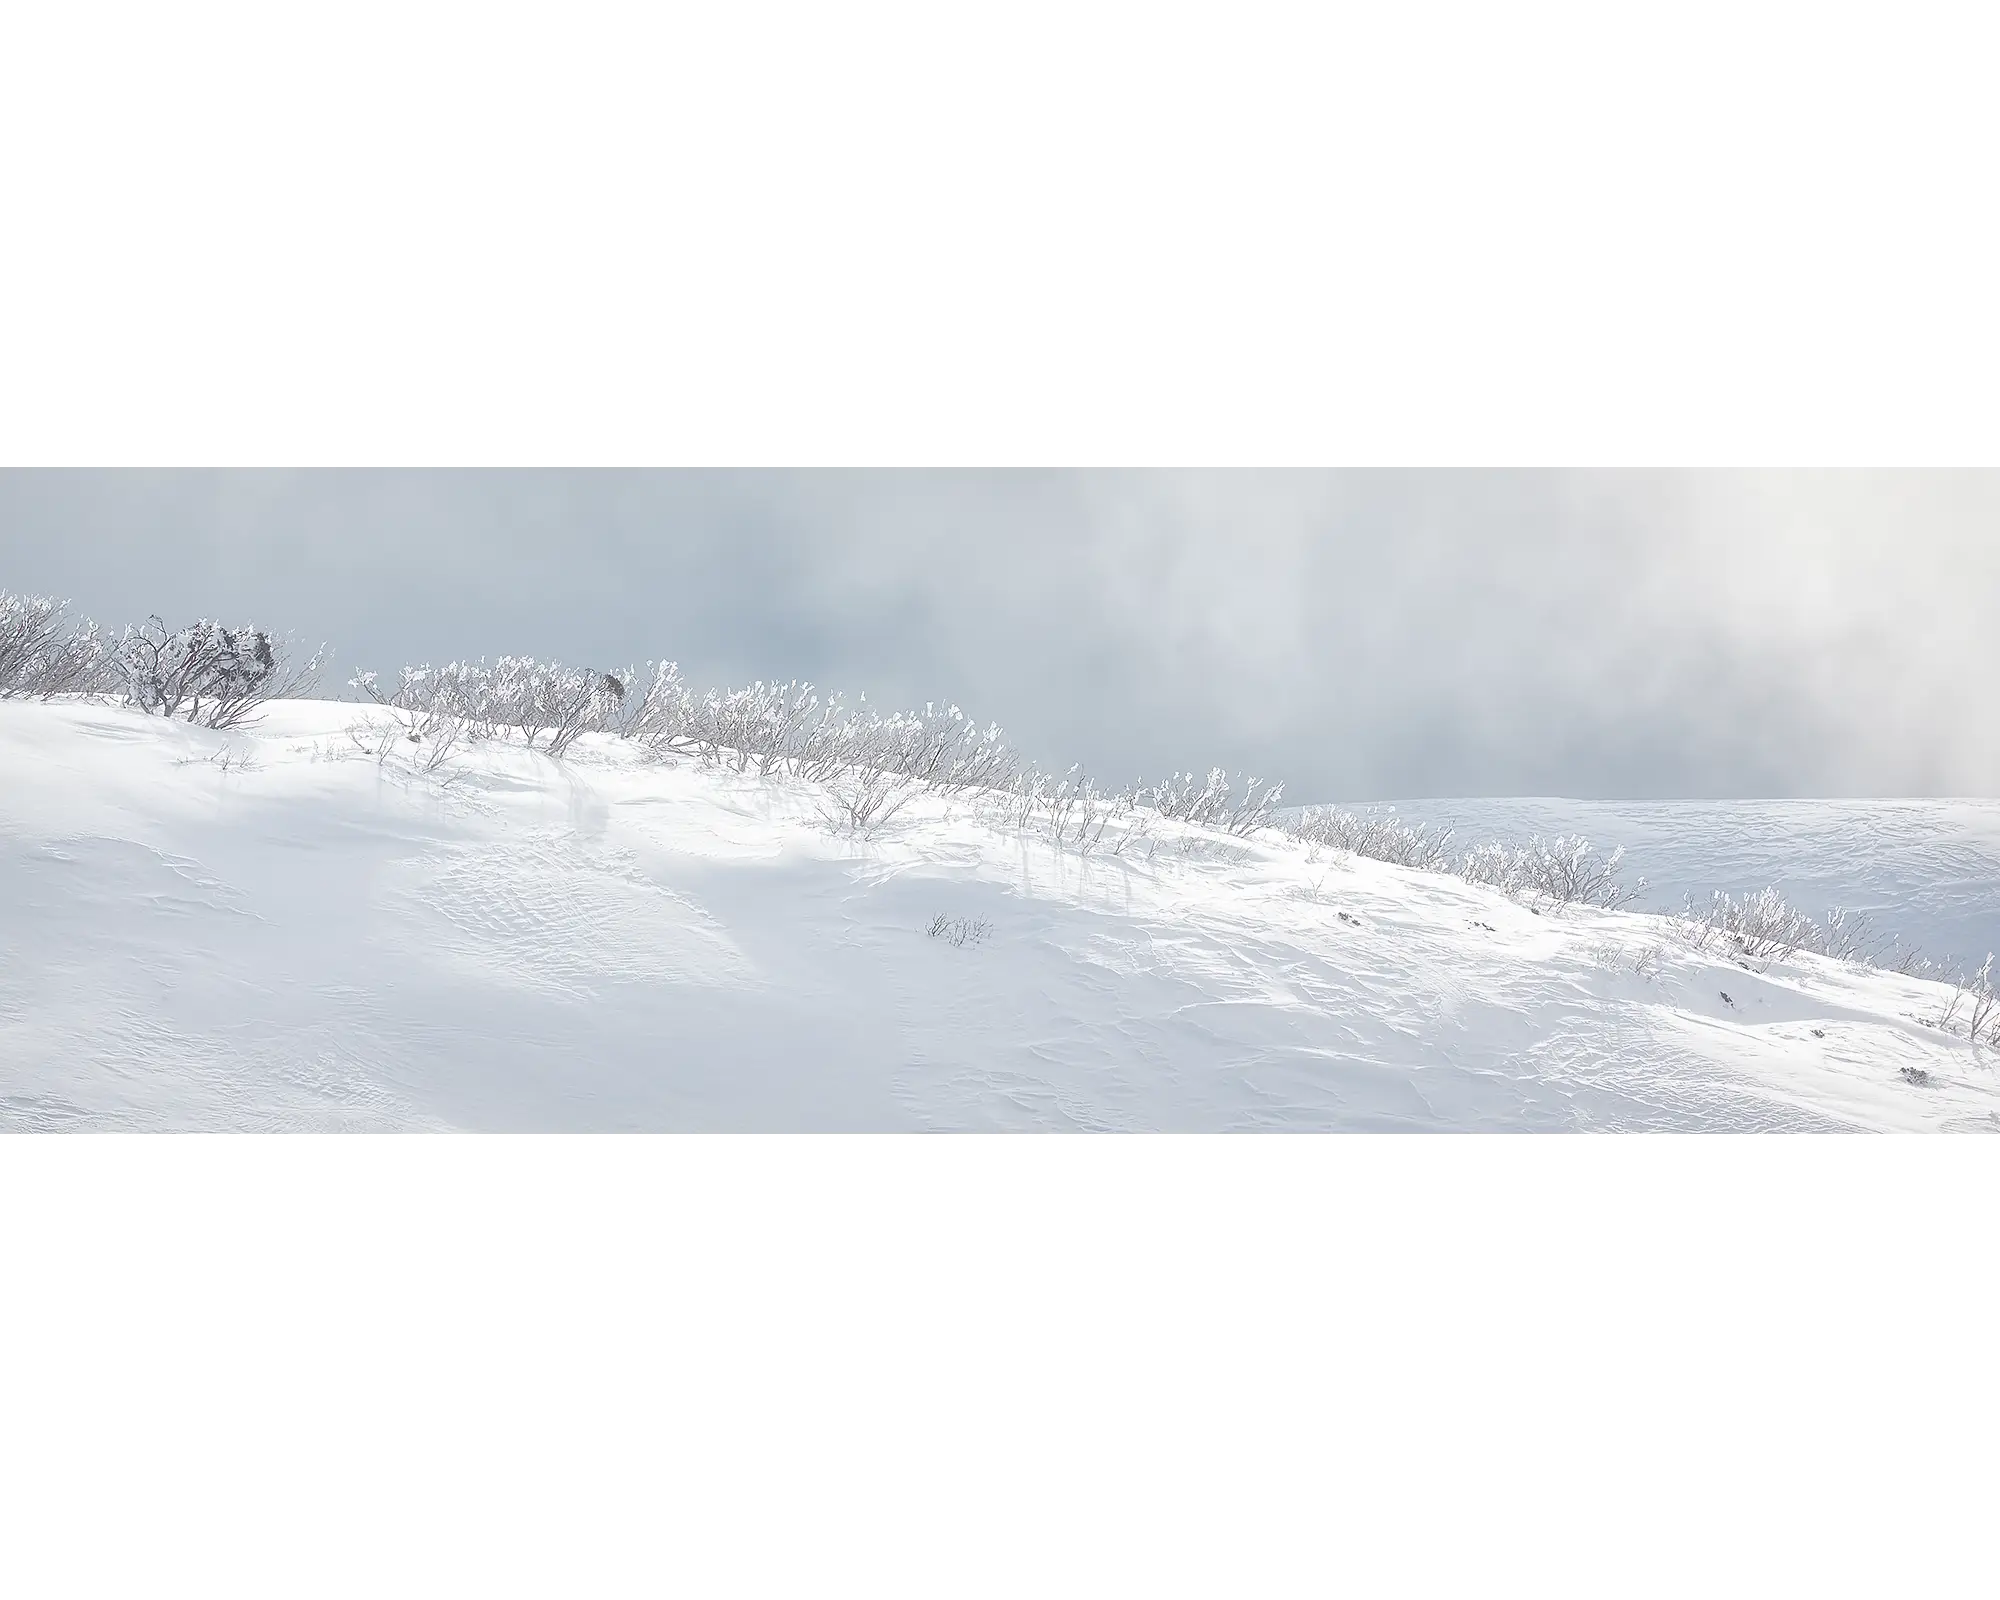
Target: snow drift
column 305, row 925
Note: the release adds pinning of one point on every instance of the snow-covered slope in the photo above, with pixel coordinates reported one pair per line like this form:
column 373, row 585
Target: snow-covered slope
column 315, row 940
column 1925, row 871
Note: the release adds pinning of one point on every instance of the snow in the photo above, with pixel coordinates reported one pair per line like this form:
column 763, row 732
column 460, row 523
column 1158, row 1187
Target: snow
column 1927, row 871
column 273, row 930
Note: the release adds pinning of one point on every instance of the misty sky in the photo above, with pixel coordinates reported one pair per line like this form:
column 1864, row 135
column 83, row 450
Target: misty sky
column 1361, row 634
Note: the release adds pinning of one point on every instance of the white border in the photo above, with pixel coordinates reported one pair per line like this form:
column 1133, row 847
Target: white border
column 996, row 1366
column 892, row 234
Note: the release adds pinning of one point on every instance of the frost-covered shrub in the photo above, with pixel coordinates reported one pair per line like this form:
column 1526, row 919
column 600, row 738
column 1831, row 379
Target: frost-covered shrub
column 1213, row 804
column 939, row 748
column 1983, row 1003
column 779, row 728
column 207, row 674
column 1561, row 871
column 435, row 729
column 79, row 663
column 565, row 703
column 659, row 717
column 1377, row 835
column 1847, row 936
column 394, row 747
column 942, row 749
column 549, row 705
column 959, row 931
column 1070, row 811
column 419, row 714
column 1910, row 961
column 792, row 729
column 1974, row 1005
column 866, row 799
column 1645, row 961
column 1564, row 871
column 1136, row 835
column 41, row 656
column 754, row 725
column 1764, row 926
column 204, row 673
column 869, row 763
column 1074, row 812
column 30, row 625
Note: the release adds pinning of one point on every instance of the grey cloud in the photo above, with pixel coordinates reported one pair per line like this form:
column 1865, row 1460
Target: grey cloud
column 1363, row 634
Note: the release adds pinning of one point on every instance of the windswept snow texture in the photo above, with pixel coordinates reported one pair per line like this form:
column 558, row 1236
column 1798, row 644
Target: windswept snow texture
column 1924, row 871
column 316, row 941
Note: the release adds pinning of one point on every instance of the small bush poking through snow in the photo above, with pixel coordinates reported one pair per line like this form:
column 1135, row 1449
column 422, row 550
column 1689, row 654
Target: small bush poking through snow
column 959, row 930
column 1765, row 926
column 224, row 760
column 789, row 729
column 1378, row 835
column 436, row 729
column 550, row 706
column 1070, row 811
column 1847, row 936
column 1214, row 804
column 392, row 746
column 1564, row 871
column 1983, row 1003
column 866, row 800
column 1974, row 1005
column 1646, row 961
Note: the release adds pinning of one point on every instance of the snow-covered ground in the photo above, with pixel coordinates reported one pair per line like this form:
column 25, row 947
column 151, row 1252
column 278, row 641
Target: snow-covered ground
column 273, row 930
column 1925, row 871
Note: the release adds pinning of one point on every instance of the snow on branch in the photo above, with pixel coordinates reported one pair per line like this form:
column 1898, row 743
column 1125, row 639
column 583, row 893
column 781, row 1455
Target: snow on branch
column 212, row 676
